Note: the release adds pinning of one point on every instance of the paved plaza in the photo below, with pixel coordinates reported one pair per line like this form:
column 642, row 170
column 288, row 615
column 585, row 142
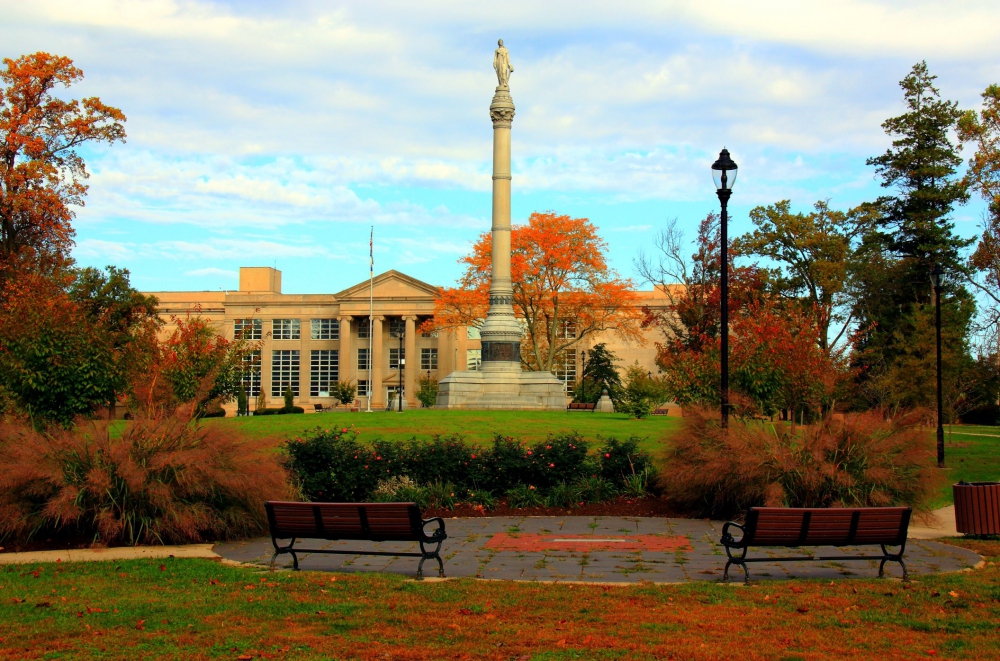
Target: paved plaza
column 599, row 549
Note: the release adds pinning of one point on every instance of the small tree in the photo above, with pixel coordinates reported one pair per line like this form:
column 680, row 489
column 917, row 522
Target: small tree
column 289, row 398
column 345, row 392
column 242, row 402
column 427, row 394
column 641, row 393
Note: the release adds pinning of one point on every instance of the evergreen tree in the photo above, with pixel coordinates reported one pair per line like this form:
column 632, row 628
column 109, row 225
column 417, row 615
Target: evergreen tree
column 911, row 230
column 599, row 373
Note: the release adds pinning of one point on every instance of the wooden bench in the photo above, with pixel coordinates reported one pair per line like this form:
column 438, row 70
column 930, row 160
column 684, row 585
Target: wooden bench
column 578, row 406
column 837, row 526
column 372, row 522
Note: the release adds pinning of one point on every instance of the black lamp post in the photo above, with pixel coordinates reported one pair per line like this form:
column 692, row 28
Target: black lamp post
column 936, row 274
column 724, row 174
column 583, row 375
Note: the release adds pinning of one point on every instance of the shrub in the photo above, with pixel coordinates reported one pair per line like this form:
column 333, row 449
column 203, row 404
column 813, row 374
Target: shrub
column 441, row 495
column 560, row 458
column 595, row 489
column 508, row 463
column 163, row 480
column 524, row 495
column 330, row 465
column 289, row 398
column 641, row 394
column 637, row 486
column 482, row 497
column 562, row 495
column 620, row 460
column 400, row 489
column 427, row 393
column 864, row 460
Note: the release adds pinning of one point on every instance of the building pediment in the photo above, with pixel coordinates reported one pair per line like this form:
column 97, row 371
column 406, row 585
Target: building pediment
column 389, row 285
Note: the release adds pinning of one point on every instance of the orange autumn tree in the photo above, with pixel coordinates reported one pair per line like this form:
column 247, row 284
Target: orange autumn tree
column 41, row 172
column 564, row 290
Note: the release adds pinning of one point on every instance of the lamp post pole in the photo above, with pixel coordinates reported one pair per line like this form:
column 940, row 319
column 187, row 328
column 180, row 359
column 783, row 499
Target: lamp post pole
column 721, row 170
column 936, row 274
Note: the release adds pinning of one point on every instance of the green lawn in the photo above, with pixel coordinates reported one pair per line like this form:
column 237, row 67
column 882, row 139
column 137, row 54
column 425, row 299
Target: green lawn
column 972, row 453
column 200, row 609
column 475, row 426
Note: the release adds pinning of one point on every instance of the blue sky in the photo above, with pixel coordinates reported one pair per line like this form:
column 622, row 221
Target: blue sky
column 279, row 133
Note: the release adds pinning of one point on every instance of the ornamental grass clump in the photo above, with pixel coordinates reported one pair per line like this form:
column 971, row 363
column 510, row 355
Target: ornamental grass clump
column 163, row 480
column 861, row 460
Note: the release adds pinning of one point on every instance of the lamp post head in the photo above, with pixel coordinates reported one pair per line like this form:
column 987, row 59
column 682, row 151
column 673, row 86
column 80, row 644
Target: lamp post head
column 724, row 171
column 936, row 274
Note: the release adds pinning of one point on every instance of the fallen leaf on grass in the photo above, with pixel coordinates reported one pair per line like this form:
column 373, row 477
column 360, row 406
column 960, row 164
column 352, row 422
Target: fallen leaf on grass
column 244, row 657
column 141, row 625
column 42, row 604
column 802, row 609
column 953, row 594
column 797, row 590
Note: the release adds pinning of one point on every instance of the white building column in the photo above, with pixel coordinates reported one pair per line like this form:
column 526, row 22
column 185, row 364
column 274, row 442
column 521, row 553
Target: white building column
column 347, row 362
column 378, row 396
column 412, row 365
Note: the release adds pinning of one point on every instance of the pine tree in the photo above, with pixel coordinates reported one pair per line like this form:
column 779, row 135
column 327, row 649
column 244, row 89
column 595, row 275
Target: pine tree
column 912, row 229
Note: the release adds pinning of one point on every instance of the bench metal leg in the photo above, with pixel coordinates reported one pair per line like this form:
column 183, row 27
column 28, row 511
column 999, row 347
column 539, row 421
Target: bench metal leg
column 895, row 557
column 278, row 550
column 736, row 561
column 430, row 554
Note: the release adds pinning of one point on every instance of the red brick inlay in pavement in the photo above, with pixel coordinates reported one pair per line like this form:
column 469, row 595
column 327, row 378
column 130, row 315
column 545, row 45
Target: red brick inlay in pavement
column 556, row 542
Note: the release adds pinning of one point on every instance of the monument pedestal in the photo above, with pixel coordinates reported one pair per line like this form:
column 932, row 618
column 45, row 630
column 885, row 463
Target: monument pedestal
column 501, row 386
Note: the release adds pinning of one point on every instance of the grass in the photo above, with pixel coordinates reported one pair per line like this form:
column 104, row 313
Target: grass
column 476, row 426
column 200, row 609
column 972, row 453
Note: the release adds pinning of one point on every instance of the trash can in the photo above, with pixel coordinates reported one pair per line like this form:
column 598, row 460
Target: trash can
column 977, row 507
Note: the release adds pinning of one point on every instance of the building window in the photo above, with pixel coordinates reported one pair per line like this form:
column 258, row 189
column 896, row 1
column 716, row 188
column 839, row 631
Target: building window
column 248, row 329
column 323, row 371
column 284, row 372
column 567, row 330
column 285, row 329
column 397, row 326
column 566, row 370
column 251, row 373
column 325, row 329
column 472, row 333
column 363, row 328
column 428, row 359
column 363, row 362
column 394, row 356
column 363, row 388
column 473, row 359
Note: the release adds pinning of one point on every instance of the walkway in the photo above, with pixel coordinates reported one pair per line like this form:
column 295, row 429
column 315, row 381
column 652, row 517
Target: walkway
column 598, row 549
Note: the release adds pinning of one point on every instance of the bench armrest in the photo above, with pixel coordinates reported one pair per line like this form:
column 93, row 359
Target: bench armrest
column 438, row 534
column 727, row 537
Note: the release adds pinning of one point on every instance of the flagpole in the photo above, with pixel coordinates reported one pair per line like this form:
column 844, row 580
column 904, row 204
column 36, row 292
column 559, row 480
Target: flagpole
column 371, row 310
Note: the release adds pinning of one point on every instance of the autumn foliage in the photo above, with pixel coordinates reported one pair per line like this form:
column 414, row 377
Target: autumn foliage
column 164, row 480
column 861, row 460
column 41, row 171
column 561, row 282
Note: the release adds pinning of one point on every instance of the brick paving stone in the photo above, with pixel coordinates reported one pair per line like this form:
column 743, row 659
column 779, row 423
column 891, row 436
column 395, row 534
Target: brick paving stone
column 465, row 554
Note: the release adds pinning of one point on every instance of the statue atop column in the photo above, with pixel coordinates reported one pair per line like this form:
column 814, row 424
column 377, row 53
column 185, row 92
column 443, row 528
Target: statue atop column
column 501, row 62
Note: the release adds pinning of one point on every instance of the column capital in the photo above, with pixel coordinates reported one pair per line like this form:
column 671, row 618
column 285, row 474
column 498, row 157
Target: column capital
column 409, row 317
column 344, row 317
column 378, row 317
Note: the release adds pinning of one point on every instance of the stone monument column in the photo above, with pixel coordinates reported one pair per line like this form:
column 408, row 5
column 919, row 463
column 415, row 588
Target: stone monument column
column 501, row 334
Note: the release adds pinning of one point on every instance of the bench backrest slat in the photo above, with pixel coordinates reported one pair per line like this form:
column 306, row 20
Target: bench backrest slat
column 836, row 526
column 350, row 521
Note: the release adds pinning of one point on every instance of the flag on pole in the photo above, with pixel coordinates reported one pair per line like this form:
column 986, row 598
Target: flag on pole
column 371, row 252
